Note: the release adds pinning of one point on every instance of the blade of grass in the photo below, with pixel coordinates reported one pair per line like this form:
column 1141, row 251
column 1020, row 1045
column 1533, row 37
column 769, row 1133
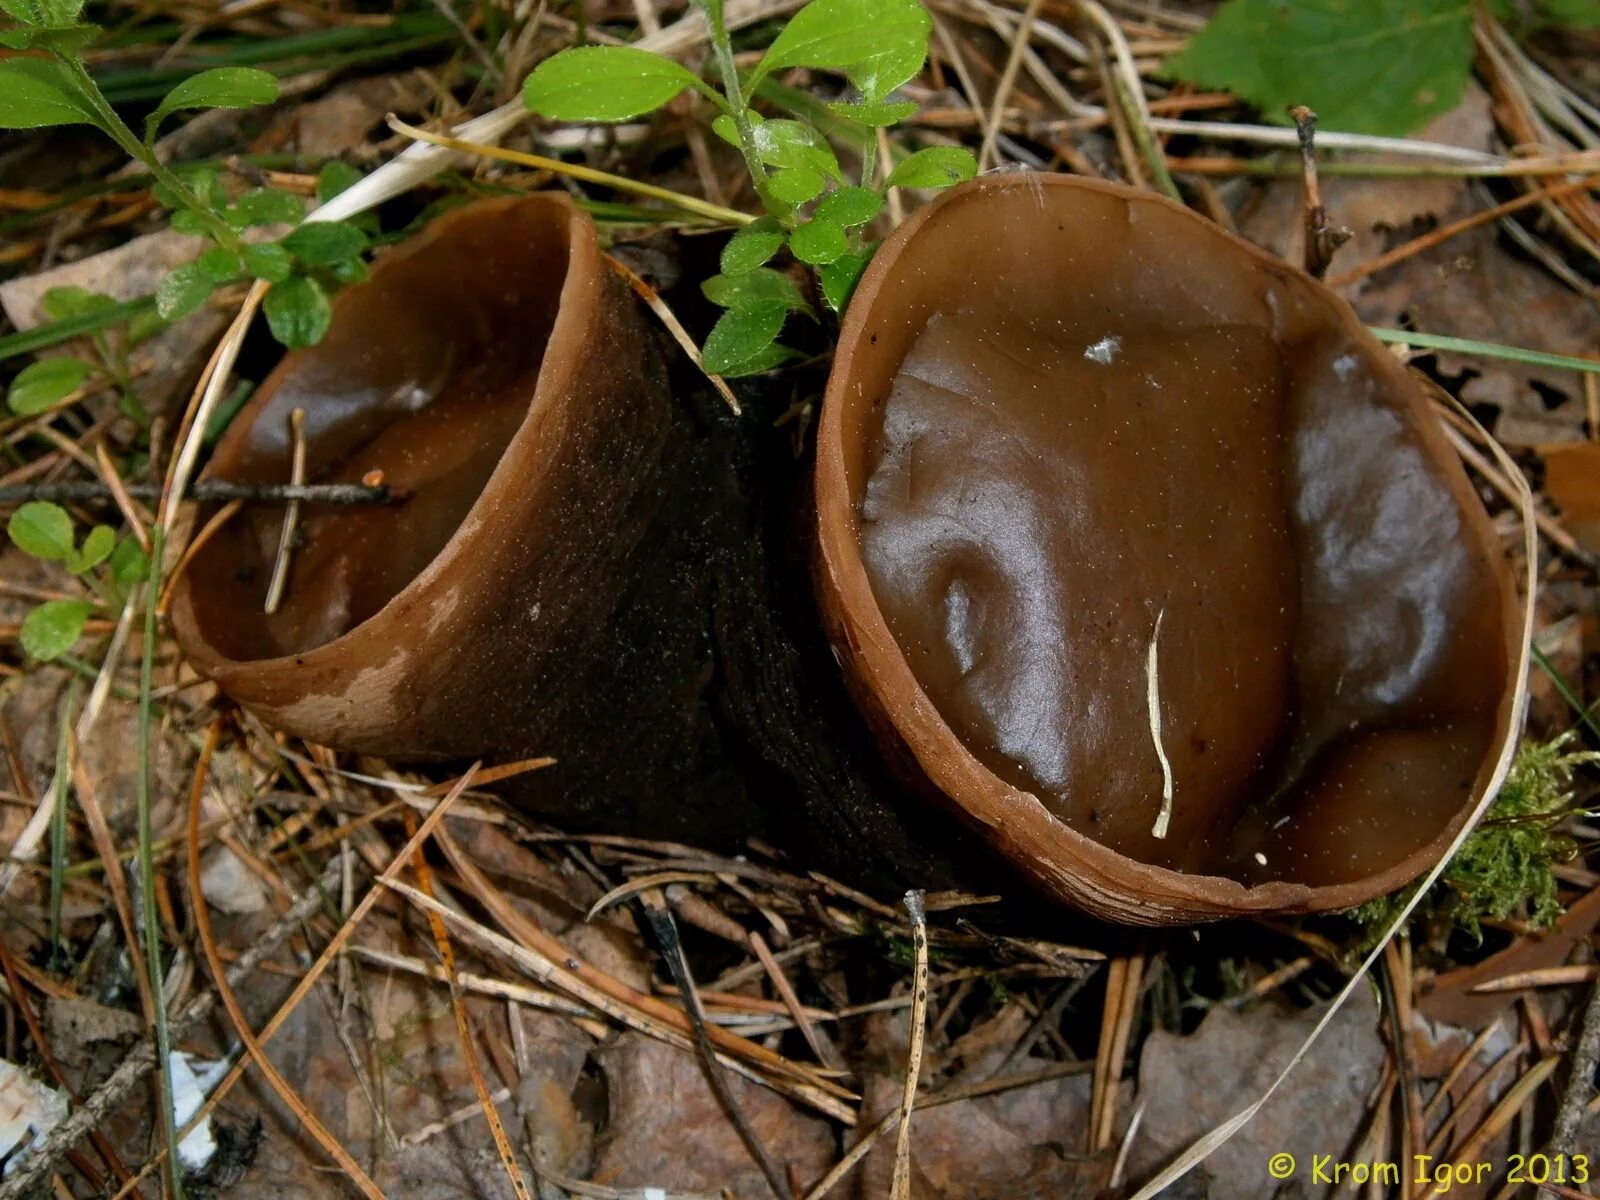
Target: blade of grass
column 1437, row 341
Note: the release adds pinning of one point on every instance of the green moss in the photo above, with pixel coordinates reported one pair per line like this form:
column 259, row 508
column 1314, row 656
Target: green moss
column 1503, row 869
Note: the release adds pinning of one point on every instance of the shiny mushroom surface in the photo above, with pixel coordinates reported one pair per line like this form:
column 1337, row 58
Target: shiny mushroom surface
column 1154, row 560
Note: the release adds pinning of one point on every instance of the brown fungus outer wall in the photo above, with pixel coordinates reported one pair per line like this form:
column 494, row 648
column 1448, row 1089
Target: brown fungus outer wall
column 537, row 592
column 1063, row 410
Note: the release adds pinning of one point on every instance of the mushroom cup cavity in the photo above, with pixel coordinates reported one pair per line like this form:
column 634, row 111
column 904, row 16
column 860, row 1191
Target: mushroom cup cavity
column 496, row 371
column 1108, row 497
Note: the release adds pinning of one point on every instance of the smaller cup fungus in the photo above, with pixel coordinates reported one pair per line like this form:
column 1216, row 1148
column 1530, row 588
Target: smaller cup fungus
column 498, row 374
column 1154, row 560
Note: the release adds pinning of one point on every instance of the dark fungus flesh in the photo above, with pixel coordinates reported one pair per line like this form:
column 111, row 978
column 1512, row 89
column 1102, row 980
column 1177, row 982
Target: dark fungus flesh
column 1154, row 560
column 496, row 370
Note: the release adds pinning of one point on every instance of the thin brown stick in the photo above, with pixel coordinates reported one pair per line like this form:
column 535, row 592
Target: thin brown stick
column 1580, row 1083
column 659, row 917
column 291, row 514
column 46, row 1154
column 608, row 994
column 1008, row 80
column 1444, row 233
column 1322, row 239
column 972, row 1091
column 209, row 490
column 230, row 1002
column 669, row 319
column 901, row 1189
column 818, row 1041
column 137, row 520
column 111, row 865
column 458, row 1006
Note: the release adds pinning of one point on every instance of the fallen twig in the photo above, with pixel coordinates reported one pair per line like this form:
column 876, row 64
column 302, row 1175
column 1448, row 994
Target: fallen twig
column 85, row 491
column 901, row 1189
column 48, row 1152
column 1322, row 239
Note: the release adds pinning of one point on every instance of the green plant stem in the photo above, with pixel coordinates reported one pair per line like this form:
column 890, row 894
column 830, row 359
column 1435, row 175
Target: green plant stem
column 117, row 130
column 1438, row 341
column 17, row 344
column 722, row 45
column 147, row 866
column 869, row 164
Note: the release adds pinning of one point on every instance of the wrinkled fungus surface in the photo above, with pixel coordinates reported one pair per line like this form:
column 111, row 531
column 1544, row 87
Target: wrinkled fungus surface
column 1069, row 415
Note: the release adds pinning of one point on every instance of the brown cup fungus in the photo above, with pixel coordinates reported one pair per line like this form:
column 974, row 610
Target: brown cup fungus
column 495, row 371
column 1141, row 552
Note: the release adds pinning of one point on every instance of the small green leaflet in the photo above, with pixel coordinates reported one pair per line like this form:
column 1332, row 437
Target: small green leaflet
column 1366, row 66
column 751, row 246
column 265, row 206
column 876, row 44
column 764, row 359
column 297, row 312
column 97, row 546
column 935, row 167
column 268, row 261
column 760, row 286
column 129, row 564
column 68, row 301
column 220, row 87
column 605, row 83
column 36, row 93
column 43, row 14
column 796, row 185
column 878, row 116
column 787, row 144
column 848, row 206
column 839, row 278
column 740, row 335
column 43, row 530
column 43, row 384
column 324, row 243
column 818, row 241
column 50, row 630
column 182, row 290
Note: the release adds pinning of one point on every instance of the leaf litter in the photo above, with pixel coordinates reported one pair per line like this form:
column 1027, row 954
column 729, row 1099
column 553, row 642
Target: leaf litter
column 609, row 1097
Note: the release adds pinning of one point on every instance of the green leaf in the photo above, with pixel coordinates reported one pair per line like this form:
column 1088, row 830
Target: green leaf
column 935, row 167
column 220, row 264
column 50, row 630
column 297, row 311
column 772, row 356
column 70, row 39
column 786, row 144
column 43, row 384
column 142, row 326
column 36, row 93
column 839, row 278
column 605, row 83
column 96, row 548
column 758, row 287
column 740, row 335
column 752, row 246
column 1365, row 66
column 129, row 563
column 879, row 115
column 265, row 206
column 220, row 87
column 334, row 178
column 183, row 290
column 65, row 303
column 1579, row 14
column 323, row 243
column 818, row 241
column 43, row 14
column 876, row 44
column 723, row 126
column 42, row 529
column 848, row 206
column 268, row 261
column 796, row 185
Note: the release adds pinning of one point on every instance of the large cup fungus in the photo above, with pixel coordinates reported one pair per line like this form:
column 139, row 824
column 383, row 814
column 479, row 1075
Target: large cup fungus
column 1150, row 560
column 520, row 601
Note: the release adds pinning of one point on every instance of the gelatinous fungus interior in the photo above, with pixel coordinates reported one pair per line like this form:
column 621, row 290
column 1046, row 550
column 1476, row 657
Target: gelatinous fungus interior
column 427, row 373
column 1084, row 419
